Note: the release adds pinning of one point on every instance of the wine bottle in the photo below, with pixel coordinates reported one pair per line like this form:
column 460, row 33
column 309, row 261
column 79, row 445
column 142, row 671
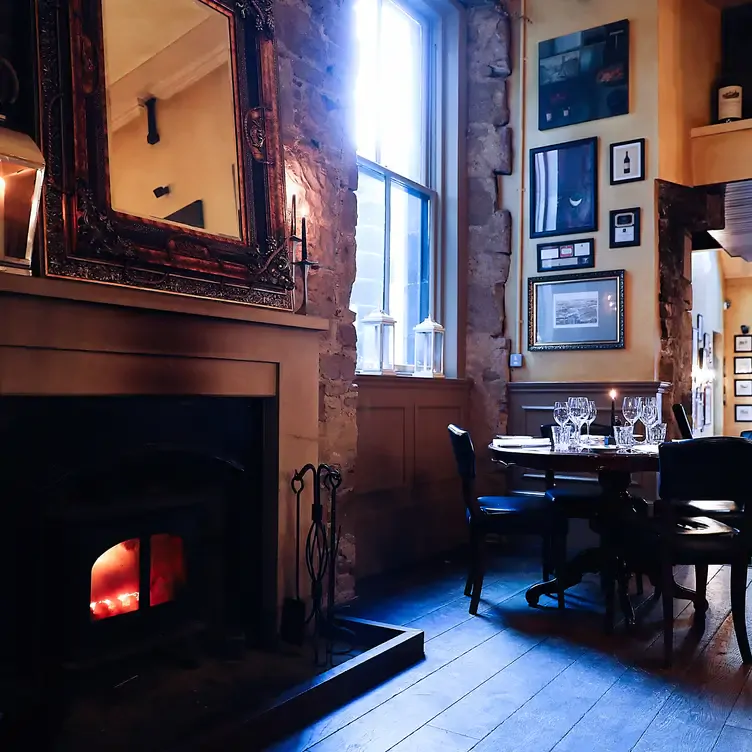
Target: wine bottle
column 729, row 99
column 627, row 164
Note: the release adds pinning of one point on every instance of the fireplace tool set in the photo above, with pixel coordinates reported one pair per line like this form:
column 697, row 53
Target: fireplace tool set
column 321, row 547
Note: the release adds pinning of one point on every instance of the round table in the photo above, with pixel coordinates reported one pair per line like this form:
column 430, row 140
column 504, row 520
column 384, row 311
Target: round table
column 614, row 470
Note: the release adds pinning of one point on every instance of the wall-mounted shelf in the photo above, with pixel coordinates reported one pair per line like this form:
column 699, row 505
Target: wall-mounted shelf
column 718, row 128
column 722, row 153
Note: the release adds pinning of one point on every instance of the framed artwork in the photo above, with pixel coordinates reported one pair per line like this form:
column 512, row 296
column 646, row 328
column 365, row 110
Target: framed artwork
column 743, row 413
column 627, row 161
column 576, row 311
column 584, row 76
column 700, row 328
column 578, row 254
column 707, row 400
column 742, row 387
column 624, row 228
column 743, row 365
column 742, row 343
column 564, row 188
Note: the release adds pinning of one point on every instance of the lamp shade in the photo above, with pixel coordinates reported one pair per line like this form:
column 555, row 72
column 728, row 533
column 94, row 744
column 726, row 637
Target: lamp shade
column 429, row 349
column 21, row 178
column 377, row 330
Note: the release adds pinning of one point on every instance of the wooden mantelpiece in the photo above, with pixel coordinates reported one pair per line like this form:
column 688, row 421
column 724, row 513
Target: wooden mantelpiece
column 69, row 338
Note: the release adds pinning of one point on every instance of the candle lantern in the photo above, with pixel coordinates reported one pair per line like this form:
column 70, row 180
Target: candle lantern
column 429, row 349
column 21, row 178
column 377, row 330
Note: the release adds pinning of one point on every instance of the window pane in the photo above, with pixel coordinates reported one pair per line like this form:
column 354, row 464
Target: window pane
column 402, row 92
column 368, row 289
column 408, row 267
column 367, row 83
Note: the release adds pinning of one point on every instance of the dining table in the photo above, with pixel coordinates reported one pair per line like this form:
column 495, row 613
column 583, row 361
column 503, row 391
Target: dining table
column 614, row 469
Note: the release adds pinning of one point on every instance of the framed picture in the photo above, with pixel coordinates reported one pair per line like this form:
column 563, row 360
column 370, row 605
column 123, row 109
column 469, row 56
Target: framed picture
column 584, row 76
column 743, row 413
column 742, row 343
column 700, row 328
column 571, row 254
column 576, row 311
column 624, row 228
column 628, row 161
column 743, row 365
column 564, row 188
column 742, row 387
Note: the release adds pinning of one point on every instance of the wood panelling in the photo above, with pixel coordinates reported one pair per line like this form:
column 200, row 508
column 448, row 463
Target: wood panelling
column 407, row 504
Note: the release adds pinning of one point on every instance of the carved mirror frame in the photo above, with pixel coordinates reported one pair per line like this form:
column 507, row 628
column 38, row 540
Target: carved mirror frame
column 85, row 239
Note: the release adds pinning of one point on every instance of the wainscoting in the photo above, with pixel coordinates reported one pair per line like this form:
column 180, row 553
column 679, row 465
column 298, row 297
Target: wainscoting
column 407, row 504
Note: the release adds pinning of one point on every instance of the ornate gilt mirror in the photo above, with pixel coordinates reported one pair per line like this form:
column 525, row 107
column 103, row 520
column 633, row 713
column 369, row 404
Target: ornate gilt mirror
column 164, row 159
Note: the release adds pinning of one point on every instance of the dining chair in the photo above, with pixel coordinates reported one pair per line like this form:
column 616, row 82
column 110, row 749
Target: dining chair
column 682, row 422
column 746, row 435
column 709, row 469
column 502, row 515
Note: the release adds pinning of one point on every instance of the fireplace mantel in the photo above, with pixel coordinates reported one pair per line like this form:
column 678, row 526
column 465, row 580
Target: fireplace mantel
column 78, row 339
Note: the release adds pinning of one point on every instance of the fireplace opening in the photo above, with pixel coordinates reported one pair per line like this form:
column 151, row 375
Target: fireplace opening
column 117, row 575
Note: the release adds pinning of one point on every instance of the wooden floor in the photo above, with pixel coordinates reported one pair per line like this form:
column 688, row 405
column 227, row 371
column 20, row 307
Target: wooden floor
column 516, row 678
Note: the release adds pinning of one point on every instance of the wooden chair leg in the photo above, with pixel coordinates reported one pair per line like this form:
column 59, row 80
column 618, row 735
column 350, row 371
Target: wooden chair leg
column 667, row 580
column 479, row 572
column 701, row 580
column 738, row 597
column 560, row 559
column 471, row 567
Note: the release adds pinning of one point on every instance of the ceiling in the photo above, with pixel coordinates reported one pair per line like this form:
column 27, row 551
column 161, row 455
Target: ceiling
column 137, row 30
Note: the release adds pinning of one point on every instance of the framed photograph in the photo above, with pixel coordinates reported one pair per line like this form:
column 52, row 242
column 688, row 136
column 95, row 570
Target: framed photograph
column 742, row 387
column 628, row 161
column 743, row 413
column 564, row 188
column 700, row 328
column 577, row 311
column 573, row 254
column 742, row 343
column 624, row 228
column 584, row 76
column 743, row 365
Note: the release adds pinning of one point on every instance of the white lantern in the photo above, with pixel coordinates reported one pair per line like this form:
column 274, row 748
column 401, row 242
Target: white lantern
column 429, row 349
column 21, row 177
column 377, row 330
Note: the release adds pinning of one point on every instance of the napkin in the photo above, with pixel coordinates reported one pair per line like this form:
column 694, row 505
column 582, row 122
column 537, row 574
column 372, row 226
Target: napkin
column 519, row 441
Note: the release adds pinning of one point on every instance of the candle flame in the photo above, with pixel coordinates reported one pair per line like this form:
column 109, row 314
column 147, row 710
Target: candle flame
column 612, row 394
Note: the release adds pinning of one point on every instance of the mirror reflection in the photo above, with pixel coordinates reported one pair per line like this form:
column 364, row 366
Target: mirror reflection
column 171, row 114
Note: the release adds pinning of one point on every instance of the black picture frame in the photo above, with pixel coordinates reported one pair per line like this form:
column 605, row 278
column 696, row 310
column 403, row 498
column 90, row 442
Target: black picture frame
column 570, row 254
column 615, row 224
column 615, row 151
column 577, row 185
column 743, row 343
column 584, row 76
column 742, row 387
column 738, row 417
column 598, row 306
column 743, row 365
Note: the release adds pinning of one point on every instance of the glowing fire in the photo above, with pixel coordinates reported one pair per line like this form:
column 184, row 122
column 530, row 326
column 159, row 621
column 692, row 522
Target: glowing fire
column 115, row 576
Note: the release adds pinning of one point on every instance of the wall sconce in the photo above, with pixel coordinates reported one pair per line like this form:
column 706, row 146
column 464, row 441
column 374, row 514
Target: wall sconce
column 21, row 178
column 429, row 349
column 378, row 343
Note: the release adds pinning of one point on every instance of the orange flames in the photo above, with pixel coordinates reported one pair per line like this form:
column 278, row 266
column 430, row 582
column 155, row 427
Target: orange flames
column 115, row 576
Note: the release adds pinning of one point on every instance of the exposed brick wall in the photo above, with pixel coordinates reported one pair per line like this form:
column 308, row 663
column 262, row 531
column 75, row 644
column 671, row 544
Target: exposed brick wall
column 316, row 71
column 489, row 150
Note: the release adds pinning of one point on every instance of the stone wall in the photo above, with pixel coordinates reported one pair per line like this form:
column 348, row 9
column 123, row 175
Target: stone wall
column 489, row 152
column 316, row 72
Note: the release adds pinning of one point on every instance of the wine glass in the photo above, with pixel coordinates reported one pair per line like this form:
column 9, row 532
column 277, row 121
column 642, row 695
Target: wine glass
column 592, row 414
column 649, row 414
column 561, row 413
column 631, row 409
column 578, row 411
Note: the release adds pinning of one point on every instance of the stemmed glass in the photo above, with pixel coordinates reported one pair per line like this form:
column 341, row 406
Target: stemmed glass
column 592, row 414
column 631, row 409
column 578, row 412
column 561, row 413
column 649, row 415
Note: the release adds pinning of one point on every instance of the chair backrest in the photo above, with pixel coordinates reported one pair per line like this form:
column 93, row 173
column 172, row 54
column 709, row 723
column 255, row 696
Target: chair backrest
column 464, row 455
column 709, row 469
column 680, row 416
column 746, row 435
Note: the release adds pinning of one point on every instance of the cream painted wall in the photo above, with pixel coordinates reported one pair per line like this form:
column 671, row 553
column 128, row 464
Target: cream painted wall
column 689, row 56
column 638, row 361
column 195, row 156
column 738, row 291
column 707, row 299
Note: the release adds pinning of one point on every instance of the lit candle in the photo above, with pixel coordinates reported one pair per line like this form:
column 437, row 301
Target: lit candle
column 612, row 394
column 304, row 243
column 2, row 218
column 294, row 219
